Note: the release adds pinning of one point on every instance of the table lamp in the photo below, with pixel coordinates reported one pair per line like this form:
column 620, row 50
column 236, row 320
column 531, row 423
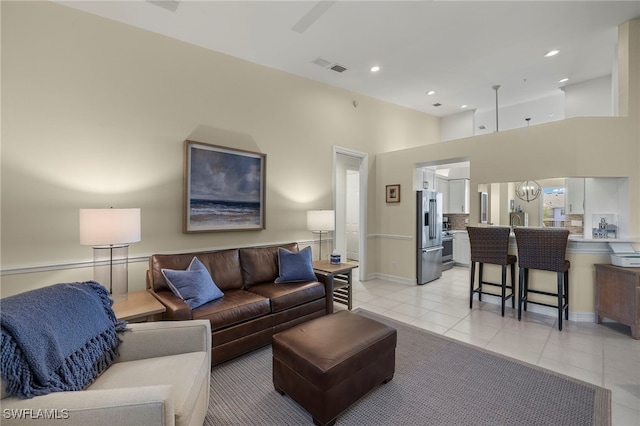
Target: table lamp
column 110, row 231
column 320, row 222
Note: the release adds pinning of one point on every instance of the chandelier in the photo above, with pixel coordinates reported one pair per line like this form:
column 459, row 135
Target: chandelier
column 528, row 190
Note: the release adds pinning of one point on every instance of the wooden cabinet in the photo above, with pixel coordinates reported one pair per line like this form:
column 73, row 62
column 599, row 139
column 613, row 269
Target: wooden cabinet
column 574, row 196
column 618, row 296
column 458, row 196
column 461, row 248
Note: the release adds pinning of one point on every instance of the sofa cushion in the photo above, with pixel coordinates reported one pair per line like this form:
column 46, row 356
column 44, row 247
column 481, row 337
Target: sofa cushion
column 235, row 307
column 224, row 267
column 184, row 372
column 285, row 296
column 193, row 285
column 260, row 264
column 295, row 266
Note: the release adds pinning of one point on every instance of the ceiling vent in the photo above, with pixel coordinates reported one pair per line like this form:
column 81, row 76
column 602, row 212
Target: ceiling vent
column 321, row 62
column 437, row 104
column 170, row 5
column 338, row 68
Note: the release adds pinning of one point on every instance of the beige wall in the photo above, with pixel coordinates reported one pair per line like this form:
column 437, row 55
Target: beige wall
column 94, row 114
column 559, row 149
column 595, row 147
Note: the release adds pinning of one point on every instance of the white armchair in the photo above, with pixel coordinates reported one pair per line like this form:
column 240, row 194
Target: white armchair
column 160, row 378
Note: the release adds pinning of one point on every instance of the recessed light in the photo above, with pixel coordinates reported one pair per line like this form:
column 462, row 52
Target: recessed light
column 463, row 106
column 551, row 53
column 563, row 80
column 431, row 92
column 375, row 68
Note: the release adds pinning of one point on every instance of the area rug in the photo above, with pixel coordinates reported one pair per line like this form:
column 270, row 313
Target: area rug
column 438, row 381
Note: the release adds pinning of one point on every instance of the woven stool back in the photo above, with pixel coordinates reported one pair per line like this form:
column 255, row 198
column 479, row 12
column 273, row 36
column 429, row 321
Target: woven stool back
column 489, row 244
column 542, row 248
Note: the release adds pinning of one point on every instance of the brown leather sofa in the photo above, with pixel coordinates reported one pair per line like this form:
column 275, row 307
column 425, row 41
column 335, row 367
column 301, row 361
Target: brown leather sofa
column 253, row 307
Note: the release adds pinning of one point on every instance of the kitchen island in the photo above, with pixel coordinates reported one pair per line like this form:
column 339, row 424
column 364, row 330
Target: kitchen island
column 584, row 254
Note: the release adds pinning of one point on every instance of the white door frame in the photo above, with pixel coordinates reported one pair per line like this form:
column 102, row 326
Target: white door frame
column 364, row 172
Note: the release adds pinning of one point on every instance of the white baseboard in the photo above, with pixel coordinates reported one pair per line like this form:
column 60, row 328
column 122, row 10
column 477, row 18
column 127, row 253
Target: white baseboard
column 395, row 279
column 543, row 310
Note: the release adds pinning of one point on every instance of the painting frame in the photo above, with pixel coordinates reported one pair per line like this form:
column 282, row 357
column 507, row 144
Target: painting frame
column 392, row 193
column 224, row 189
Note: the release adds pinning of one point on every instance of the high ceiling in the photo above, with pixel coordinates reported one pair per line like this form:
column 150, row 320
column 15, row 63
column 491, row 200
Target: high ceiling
column 459, row 49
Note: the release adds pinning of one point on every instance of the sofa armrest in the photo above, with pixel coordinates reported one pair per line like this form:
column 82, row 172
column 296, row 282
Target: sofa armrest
column 154, row 339
column 177, row 309
column 323, row 277
column 149, row 405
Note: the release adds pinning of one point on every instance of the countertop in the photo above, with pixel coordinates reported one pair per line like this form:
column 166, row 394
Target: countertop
column 579, row 244
column 577, row 238
column 580, row 238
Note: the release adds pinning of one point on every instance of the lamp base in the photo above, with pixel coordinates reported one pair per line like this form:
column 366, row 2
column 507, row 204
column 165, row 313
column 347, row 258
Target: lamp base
column 119, row 297
column 320, row 242
column 111, row 269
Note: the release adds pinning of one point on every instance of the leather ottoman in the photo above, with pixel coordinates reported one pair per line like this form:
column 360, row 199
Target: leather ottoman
column 328, row 363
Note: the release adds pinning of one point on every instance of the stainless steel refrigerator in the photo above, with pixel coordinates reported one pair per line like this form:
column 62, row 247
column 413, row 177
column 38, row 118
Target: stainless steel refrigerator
column 429, row 236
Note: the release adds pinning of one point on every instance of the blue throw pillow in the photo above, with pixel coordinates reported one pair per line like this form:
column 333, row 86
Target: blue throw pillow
column 195, row 285
column 295, row 267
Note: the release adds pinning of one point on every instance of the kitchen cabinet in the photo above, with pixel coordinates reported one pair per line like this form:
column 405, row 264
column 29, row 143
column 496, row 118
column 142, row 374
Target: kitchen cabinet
column 429, row 176
column 426, row 179
column 461, row 248
column 442, row 186
column 574, row 196
column 458, row 196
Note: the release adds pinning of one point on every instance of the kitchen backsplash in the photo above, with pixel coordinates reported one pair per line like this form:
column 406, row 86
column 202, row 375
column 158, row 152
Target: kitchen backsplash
column 574, row 218
column 458, row 222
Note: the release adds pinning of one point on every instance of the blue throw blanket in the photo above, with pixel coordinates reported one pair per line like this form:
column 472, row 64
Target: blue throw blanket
column 57, row 338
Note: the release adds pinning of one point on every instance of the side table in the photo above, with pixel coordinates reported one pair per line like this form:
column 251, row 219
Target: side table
column 618, row 296
column 140, row 306
column 340, row 277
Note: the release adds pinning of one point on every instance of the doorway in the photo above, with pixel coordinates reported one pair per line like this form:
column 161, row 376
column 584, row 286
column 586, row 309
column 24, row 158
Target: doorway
column 352, row 227
column 350, row 169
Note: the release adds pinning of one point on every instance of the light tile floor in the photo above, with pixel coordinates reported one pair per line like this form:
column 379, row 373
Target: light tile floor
column 604, row 355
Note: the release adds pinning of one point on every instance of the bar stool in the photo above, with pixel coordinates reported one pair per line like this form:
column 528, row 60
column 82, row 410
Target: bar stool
column 543, row 249
column 490, row 244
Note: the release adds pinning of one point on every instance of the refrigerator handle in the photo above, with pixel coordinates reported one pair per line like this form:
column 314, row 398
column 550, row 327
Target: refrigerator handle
column 429, row 250
column 432, row 225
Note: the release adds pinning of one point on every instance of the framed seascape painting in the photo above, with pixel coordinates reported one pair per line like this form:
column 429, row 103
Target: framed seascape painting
column 224, row 189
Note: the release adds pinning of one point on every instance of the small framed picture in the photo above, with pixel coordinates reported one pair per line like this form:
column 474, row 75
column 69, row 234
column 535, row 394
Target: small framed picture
column 393, row 193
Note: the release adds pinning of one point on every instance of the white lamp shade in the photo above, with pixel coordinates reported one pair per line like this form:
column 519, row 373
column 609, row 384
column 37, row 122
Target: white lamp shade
column 103, row 227
column 320, row 220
